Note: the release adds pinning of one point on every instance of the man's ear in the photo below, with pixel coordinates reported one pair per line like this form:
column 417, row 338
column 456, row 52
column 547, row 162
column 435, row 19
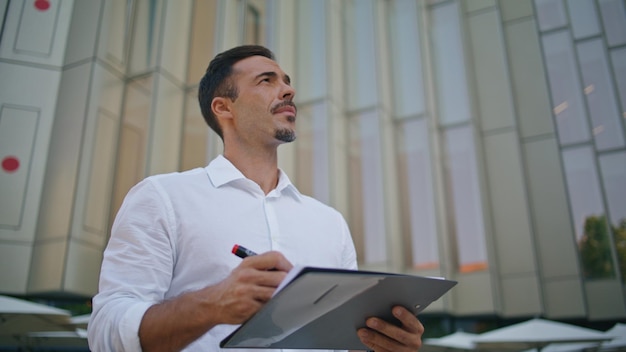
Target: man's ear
column 221, row 107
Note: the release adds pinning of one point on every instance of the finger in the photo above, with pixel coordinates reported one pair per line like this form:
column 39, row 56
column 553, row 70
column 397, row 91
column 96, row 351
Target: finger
column 396, row 338
column 409, row 321
column 269, row 261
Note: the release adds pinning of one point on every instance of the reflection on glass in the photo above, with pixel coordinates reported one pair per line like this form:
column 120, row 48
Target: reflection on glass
column 466, row 204
column 406, row 62
column 590, row 223
column 360, row 53
column 605, row 117
column 550, row 14
column 366, row 188
column 449, row 63
column 196, row 135
column 147, row 25
column 311, row 44
column 312, row 159
column 618, row 58
column 565, row 88
column 416, row 195
column 613, row 169
column 614, row 20
column 584, row 18
column 132, row 148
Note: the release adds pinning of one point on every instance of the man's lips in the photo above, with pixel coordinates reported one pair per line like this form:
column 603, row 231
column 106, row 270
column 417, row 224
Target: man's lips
column 285, row 107
column 288, row 109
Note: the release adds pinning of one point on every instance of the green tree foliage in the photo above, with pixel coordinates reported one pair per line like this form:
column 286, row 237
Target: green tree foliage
column 595, row 249
column 620, row 246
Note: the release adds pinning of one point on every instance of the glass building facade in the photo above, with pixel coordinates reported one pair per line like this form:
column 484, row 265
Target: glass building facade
column 483, row 140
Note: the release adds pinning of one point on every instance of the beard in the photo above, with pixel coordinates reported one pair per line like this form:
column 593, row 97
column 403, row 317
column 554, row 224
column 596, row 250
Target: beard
column 285, row 135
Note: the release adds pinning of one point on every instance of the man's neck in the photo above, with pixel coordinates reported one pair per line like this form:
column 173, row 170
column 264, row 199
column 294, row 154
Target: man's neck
column 258, row 166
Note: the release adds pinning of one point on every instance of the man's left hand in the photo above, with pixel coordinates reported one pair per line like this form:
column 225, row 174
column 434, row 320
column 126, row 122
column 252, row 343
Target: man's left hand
column 382, row 336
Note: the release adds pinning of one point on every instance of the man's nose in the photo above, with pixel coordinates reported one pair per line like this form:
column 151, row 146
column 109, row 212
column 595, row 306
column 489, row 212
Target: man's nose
column 288, row 92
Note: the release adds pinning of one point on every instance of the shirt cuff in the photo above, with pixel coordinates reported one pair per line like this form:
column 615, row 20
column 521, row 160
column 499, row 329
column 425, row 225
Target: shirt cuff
column 129, row 326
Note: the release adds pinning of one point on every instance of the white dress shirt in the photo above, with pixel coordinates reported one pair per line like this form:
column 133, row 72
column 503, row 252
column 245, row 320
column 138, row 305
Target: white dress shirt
column 174, row 233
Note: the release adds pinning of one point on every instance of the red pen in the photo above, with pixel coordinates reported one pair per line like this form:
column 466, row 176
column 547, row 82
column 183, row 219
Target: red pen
column 242, row 251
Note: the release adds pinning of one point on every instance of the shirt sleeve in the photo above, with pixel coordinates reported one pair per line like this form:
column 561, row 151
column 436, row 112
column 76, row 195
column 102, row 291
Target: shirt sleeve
column 349, row 252
column 136, row 270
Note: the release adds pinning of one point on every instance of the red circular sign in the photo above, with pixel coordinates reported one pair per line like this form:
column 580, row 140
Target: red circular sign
column 10, row 164
column 42, row 5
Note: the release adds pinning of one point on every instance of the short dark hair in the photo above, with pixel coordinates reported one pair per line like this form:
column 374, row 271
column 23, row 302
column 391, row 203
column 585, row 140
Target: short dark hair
column 217, row 81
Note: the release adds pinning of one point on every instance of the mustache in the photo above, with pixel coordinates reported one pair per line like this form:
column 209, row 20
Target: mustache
column 283, row 104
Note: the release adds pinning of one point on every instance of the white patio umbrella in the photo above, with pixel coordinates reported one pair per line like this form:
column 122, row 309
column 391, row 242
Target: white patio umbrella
column 618, row 339
column 61, row 339
column 80, row 321
column 18, row 316
column 458, row 341
column 537, row 334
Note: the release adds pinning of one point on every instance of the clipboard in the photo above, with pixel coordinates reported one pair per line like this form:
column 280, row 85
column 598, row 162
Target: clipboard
column 322, row 308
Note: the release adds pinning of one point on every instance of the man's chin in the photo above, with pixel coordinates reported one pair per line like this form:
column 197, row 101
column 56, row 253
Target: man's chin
column 285, row 135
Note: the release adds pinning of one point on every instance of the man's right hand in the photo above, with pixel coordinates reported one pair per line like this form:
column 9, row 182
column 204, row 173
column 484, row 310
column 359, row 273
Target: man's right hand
column 249, row 286
column 173, row 324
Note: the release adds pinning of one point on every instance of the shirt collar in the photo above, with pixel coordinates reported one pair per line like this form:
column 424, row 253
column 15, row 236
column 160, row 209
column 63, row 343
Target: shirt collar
column 221, row 172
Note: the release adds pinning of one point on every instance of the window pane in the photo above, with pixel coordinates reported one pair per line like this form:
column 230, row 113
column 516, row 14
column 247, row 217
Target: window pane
column 613, row 167
column 614, row 20
column 605, row 117
column 366, row 193
column 360, row 54
column 584, row 18
column 568, row 108
column 618, row 57
column 406, row 62
column 312, row 151
column 311, row 50
column 550, row 14
column 449, row 63
column 416, row 194
column 590, row 223
column 146, row 31
column 463, row 185
column 196, row 134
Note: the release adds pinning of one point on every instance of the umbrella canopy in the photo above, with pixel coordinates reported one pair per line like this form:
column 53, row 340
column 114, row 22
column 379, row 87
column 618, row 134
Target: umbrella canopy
column 80, row 321
column 19, row 316
column 536, row 333
column 65, row 339
column 618, row 339
column 458, row 341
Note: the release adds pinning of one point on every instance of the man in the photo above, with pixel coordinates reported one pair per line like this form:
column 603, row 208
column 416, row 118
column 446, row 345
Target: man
column 169, row 281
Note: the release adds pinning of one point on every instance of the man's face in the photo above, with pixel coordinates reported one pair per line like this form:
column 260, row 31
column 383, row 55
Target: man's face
column 264, row 111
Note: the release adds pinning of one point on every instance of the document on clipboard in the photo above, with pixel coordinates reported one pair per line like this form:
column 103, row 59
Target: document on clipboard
column 322, row 308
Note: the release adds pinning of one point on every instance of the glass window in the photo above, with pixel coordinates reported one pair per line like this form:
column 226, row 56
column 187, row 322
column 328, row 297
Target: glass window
column 145, row 36
column 605, row 117
column 590, row 223
column 202, row 39
column 550, row 14
column 312, row 161
column 449, row 63
column 614, row 20
column 366, row 193
column 584, row 18
column 360, row 54
column 419, row 223
column 254, row 22
column 613, row 168
column 618, row 58
column 406, row 62
column 463, row 185
column 568, row 108
column 196, row 135
column 130, row 167
column 311, row 78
